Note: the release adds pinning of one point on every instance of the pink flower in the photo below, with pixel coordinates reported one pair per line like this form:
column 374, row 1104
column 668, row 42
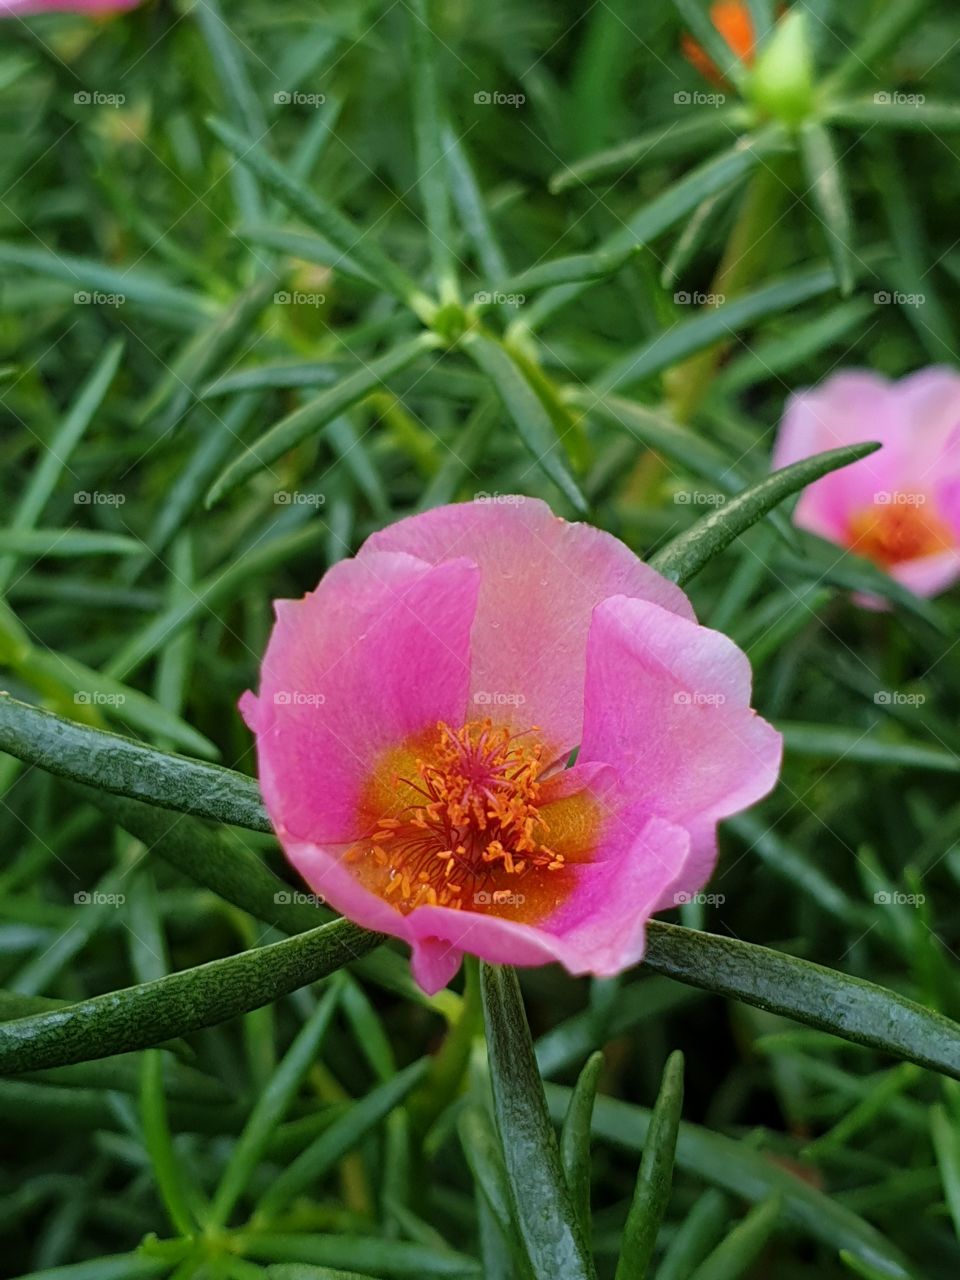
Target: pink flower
column 900, row 507
column 21, row 8
column 416, row 712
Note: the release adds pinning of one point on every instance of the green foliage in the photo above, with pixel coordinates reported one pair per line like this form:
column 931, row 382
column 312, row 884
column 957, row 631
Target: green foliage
column 272, row 276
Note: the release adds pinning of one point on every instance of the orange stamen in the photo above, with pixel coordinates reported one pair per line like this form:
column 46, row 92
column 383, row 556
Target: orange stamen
column 475, row 815
column 890, row 533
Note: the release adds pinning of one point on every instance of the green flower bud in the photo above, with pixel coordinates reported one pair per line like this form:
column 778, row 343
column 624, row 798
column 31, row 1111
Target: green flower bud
column 781, row 83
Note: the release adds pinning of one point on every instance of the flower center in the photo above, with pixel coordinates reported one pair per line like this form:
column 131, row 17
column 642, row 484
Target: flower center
column 471, row 822
column 889, row 533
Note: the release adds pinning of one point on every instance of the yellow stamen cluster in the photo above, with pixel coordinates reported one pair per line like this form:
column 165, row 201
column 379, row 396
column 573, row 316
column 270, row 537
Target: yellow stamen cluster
column 476, row 819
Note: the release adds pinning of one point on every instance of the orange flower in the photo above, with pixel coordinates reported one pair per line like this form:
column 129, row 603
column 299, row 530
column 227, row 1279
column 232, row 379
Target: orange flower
column 733, row 21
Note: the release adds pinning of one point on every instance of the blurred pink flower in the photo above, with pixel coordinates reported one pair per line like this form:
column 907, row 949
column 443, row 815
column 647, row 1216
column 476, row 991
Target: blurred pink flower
column 21, row 8
column 900, row 507
column 416, row 712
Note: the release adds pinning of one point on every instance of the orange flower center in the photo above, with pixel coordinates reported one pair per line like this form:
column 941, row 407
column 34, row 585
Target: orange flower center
column 459, row 819
column 889, row 533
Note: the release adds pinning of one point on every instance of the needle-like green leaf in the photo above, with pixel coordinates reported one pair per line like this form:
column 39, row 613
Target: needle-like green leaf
column 828, row 189
column 524, row 406
column 819, row 997
column 655, row 1178
column 316, row 413
column 575, row 1140
column 141, row 1016
column 686, row 555
column 543, row 1207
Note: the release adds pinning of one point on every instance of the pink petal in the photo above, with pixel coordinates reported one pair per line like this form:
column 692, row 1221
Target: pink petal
column 379, row 652
column 10, row 8
column 667, row 704
column 601, row 931
column 540, row 579
column 929, row 575
column 847, row 409
column 928, row 403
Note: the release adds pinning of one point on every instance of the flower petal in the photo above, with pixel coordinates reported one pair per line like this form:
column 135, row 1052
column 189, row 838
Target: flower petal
column 667, row 704
column 598, row 928
column 540, row 579
column 379, row 652
column 847, row 409
column 600, row 931
column 929, row 575
column 928, row 403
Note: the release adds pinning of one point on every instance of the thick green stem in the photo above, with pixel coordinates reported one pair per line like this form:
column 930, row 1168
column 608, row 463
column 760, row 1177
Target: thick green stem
column 745, row 251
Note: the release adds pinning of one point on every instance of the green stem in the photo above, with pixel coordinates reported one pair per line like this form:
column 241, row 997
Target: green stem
column 745, row 251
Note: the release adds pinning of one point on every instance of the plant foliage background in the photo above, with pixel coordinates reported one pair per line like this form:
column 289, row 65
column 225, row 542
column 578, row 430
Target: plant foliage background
column 485, row 249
